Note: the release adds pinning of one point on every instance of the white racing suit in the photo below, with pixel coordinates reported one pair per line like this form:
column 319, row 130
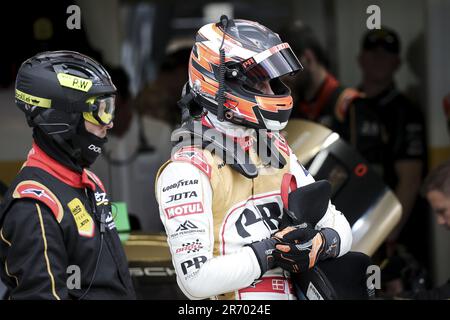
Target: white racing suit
column 210, row 212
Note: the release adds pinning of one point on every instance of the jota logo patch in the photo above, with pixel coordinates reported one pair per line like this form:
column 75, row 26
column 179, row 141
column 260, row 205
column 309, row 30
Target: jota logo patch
column 182, row 195
column 83, row 219
column 184, row 210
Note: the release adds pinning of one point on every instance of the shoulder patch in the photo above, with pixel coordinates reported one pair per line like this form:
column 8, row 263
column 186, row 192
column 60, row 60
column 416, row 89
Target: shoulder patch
column 280, row 142
column 96, row 179
column 344, row 101
column 35, row 190
column 194, row 156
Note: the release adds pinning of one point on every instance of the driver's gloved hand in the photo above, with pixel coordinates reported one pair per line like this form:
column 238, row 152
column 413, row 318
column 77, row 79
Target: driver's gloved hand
column 298, row 248
column 263, row 251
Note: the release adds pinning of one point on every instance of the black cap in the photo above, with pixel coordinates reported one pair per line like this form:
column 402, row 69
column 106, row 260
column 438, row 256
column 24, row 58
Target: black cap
column 384, row 37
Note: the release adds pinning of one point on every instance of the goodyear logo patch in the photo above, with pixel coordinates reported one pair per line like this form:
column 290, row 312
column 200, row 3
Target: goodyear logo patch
column 73, row 82
column 83, row 219
column 33, row 100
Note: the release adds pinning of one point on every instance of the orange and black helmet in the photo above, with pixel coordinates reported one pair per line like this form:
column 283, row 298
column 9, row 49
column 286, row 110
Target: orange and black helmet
column 251, row 54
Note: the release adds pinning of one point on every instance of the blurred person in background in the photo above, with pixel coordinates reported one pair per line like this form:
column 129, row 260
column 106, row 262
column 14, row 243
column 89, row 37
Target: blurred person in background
column 389, row 130
column 135, row 150
column 436, row 189
column 158, row 99
column 318, row 95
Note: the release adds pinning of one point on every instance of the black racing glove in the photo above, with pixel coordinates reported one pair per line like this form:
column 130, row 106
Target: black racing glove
column 298, row 248
column 263, row 250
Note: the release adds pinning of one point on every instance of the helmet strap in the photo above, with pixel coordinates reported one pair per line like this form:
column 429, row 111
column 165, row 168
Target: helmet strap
column 222, row 72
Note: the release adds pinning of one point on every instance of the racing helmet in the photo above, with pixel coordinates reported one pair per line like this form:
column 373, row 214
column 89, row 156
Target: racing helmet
column 57, row 89
column 227, row 62
column 62, row 86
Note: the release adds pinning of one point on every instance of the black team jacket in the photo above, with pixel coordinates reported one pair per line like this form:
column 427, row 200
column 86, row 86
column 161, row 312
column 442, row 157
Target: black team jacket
column 57, row 236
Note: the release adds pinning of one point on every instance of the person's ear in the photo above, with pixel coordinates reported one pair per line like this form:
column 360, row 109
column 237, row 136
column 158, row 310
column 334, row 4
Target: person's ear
column 440, row 220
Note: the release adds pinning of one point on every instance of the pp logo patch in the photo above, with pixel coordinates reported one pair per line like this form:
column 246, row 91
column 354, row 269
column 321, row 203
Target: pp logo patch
column 192, row 263
column 83, row 219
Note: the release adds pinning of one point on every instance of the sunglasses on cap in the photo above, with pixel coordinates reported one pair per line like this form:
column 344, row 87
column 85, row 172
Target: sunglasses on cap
column 102, row 110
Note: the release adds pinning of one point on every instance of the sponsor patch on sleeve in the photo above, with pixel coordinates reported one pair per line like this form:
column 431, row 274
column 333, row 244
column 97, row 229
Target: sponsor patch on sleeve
column 190, row 247
column 195, row 157
column 191, row 267
column 83, row 219
column 35, row 190
column 184, row 209
column 181, row 197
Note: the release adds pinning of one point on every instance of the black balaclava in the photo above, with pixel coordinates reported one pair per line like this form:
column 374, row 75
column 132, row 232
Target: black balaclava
column 51, row 148
column 89, row 144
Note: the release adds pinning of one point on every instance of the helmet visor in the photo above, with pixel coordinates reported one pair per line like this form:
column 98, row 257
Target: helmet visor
column 102, row 110
column 271, row 63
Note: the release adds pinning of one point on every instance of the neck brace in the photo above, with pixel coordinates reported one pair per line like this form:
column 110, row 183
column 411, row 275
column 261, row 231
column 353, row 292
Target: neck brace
column 224, row 138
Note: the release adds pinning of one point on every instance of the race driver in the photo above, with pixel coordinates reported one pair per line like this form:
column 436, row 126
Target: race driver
column 57, row 236
column 222, row 209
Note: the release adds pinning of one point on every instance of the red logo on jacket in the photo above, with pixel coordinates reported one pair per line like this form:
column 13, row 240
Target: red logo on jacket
column 184, row 209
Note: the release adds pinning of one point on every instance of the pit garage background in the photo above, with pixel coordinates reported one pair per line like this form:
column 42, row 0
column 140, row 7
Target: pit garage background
column 139, row 36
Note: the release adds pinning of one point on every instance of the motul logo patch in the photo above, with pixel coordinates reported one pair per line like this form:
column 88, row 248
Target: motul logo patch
column 184, row 210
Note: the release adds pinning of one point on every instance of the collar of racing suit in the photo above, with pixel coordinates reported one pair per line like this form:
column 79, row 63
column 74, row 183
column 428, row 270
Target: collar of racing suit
column 245, row 137
column 227, row 128
column 39, row 159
